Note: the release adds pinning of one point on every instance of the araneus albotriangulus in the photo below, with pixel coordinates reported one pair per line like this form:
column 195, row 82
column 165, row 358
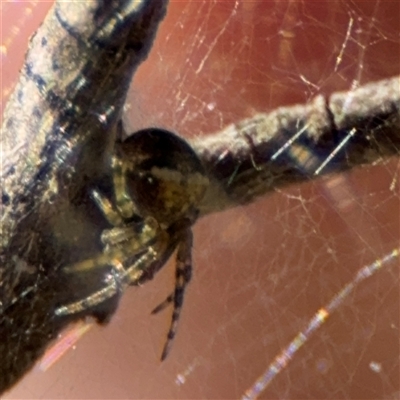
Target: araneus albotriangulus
column 159, row 178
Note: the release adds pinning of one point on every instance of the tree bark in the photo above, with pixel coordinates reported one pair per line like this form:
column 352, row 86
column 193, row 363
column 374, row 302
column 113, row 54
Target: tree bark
column 58, row 131
column 302, row 142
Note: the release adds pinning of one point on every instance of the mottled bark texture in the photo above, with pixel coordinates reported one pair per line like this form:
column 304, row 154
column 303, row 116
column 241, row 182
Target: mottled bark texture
column 59, row 128
column 302, row 142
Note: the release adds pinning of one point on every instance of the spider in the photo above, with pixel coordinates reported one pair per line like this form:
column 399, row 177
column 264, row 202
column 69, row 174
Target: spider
column 159, row 181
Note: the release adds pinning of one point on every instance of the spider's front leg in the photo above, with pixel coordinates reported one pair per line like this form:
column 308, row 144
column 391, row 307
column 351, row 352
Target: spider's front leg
column 124, row 202
column 120, row 277
column 113, row 286
column 129, row 248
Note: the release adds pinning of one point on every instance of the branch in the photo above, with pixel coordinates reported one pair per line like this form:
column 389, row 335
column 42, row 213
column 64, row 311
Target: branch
column 302, row 142
column 59, row 128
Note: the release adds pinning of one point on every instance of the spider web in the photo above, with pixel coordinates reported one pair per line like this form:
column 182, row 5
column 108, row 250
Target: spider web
column 261, row 272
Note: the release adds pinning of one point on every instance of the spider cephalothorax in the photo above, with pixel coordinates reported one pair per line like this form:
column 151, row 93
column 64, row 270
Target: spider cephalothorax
column 158, row 179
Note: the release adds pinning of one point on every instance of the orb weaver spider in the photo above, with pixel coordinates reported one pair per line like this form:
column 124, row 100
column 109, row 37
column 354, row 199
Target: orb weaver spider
column 159, row 178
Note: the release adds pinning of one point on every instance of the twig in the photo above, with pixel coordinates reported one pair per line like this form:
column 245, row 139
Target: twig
column 295, row 144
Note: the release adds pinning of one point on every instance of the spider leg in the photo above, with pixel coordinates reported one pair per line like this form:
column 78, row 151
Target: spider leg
column 113, row 287
column 124, row 202
column 139, row 233
column 119, row 278
column 121, row 244
column 183, row 275
column 107, row 209
column 164, row 304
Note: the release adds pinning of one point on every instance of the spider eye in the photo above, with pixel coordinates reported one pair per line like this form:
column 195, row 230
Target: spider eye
column 147, row 185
